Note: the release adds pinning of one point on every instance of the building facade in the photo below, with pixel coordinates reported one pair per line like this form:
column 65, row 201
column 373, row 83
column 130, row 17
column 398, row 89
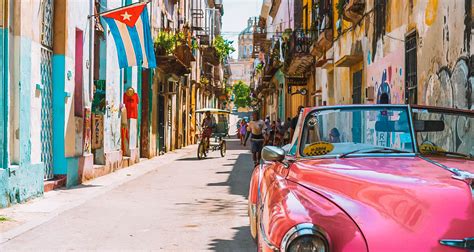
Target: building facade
column 68, row 113
column 358, row 51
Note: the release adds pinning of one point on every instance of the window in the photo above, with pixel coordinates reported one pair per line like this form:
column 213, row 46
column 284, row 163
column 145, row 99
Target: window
column 411, row 88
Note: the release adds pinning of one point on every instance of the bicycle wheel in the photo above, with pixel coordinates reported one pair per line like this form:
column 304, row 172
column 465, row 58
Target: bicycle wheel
column 223, row 148
column 201, row 151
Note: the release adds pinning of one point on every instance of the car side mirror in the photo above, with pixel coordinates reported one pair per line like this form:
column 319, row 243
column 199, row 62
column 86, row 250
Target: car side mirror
column 273, row 154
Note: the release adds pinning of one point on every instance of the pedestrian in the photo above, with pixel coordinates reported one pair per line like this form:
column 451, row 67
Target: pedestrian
column 294, row 122
column 280, row 133
column 243, row 131
column 239, row 124
column 286, row 126
column 256, row 128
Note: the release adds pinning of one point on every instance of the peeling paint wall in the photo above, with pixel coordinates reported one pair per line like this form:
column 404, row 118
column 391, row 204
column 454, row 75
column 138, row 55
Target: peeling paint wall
column 444, row 47
column 445, row 70
column 23, row 178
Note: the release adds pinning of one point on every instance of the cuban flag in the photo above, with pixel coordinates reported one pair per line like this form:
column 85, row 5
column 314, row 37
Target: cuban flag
column 130, row 28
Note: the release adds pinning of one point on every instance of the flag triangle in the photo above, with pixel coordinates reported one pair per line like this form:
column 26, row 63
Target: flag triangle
column 127, row 15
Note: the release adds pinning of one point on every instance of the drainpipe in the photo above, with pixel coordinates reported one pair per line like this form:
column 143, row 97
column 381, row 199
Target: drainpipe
column 91, row 50
column 5, row 34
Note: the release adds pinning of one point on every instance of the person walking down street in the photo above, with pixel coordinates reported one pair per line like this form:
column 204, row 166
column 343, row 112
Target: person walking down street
column 294, row 122
column 243, row 131
column 279, row 133
column 256, row 128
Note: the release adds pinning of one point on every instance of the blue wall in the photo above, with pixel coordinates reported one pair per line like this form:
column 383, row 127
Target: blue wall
column 59, row 95
column 24, row 181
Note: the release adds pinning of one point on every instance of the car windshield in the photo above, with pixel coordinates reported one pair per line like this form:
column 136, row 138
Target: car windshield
column 343, row 131
column 444, row 132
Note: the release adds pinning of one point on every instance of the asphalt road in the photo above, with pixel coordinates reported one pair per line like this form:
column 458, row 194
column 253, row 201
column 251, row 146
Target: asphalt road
column 187, row 205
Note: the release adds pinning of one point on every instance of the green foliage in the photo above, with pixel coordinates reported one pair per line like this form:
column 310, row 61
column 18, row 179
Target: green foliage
column 3, row 219
column 340, row 7
column 166, row 42
column 223, row 47
column 241, row 95
column 259, row 68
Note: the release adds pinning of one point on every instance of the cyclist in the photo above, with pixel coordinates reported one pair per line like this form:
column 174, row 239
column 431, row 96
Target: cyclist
column 207, row 125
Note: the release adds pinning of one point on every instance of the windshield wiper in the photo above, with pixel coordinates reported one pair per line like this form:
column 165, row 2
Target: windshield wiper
column 453, row 154
column 373, row 150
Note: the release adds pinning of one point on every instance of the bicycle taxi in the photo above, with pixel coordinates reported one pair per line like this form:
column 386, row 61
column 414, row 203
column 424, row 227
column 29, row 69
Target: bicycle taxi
column 220, row 129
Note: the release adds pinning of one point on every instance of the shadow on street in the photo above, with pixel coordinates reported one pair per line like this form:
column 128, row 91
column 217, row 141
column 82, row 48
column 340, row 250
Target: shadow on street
column 241, row 237
column 238, row 182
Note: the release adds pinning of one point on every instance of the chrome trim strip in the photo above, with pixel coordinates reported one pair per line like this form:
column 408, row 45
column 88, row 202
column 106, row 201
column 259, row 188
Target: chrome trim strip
column 458, row 174
column 300, row 230
column 412, row 131
column 265, row 239
column 466, row 243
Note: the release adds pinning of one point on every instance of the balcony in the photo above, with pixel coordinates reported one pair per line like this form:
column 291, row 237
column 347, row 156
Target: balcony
column 173, row 56
column 209, row 55
column 325, row 38
column 298, row 56
column 260, row 42
column 354, row 10
column 273, row 61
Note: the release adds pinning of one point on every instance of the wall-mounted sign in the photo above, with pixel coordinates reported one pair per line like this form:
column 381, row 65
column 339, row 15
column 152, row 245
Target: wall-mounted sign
column 296, row 81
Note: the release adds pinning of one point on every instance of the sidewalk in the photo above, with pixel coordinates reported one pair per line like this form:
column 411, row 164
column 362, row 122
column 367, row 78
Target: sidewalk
column 24, row 217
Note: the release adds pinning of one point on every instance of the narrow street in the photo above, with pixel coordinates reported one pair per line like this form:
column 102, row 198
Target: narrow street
column 185, row 205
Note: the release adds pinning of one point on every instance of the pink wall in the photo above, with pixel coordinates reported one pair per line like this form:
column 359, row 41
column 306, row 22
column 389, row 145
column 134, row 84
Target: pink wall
column 284, row 17
column 388, row 75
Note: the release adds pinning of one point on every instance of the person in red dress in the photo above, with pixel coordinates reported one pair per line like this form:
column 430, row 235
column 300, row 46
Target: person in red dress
column 130, row 98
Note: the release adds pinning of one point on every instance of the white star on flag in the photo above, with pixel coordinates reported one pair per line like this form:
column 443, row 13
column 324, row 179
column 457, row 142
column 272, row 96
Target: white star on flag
column 126, row 16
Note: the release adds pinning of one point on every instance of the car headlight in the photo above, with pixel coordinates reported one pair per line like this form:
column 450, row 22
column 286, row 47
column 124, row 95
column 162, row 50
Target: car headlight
column 305, row 237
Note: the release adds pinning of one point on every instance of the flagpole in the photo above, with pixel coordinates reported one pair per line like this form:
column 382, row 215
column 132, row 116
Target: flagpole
column 126, row 6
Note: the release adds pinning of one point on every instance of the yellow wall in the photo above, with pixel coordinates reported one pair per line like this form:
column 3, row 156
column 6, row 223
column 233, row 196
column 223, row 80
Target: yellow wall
column 307, row 18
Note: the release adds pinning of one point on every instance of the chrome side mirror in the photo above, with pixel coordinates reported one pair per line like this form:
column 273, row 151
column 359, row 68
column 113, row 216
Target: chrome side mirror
column 273, row 154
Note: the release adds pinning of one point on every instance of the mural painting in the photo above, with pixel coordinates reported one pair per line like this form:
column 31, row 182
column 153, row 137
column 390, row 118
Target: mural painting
column 97, row 131
column 386, row 75
column 452, row 87
column 87, row 131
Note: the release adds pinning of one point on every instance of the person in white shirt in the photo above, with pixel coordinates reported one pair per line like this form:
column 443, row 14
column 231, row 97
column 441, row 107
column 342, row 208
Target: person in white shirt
column 256, row 128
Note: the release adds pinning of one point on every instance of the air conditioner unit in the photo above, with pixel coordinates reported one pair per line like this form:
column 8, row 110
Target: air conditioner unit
column 172, row 87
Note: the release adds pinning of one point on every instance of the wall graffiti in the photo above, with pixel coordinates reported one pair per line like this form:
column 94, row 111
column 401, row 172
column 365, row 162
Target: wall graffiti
column 387, row 77
column 452, row 87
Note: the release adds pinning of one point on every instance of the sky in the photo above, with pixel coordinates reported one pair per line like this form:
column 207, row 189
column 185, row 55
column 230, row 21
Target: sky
column 236, row 14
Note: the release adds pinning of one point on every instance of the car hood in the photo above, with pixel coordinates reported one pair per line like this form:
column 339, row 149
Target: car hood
column 404, row 202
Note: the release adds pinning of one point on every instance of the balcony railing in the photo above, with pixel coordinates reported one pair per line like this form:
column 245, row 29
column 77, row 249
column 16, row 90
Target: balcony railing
column 354, row 10
column 298, row 52
column 325, row 37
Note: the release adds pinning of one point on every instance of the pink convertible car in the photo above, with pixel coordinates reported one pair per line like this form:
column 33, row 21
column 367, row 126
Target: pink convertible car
column 368, row 178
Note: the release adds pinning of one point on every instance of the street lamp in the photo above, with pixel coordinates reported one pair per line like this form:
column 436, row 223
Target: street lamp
column 302, row 91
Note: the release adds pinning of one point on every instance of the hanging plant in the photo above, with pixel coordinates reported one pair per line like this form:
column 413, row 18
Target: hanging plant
column 167, row 41
column 223, row 47
column 259, row 68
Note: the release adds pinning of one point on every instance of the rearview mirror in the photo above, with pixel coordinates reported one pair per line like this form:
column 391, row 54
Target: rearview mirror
column 392, row 126
column 273, row 154
column 428, row 125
